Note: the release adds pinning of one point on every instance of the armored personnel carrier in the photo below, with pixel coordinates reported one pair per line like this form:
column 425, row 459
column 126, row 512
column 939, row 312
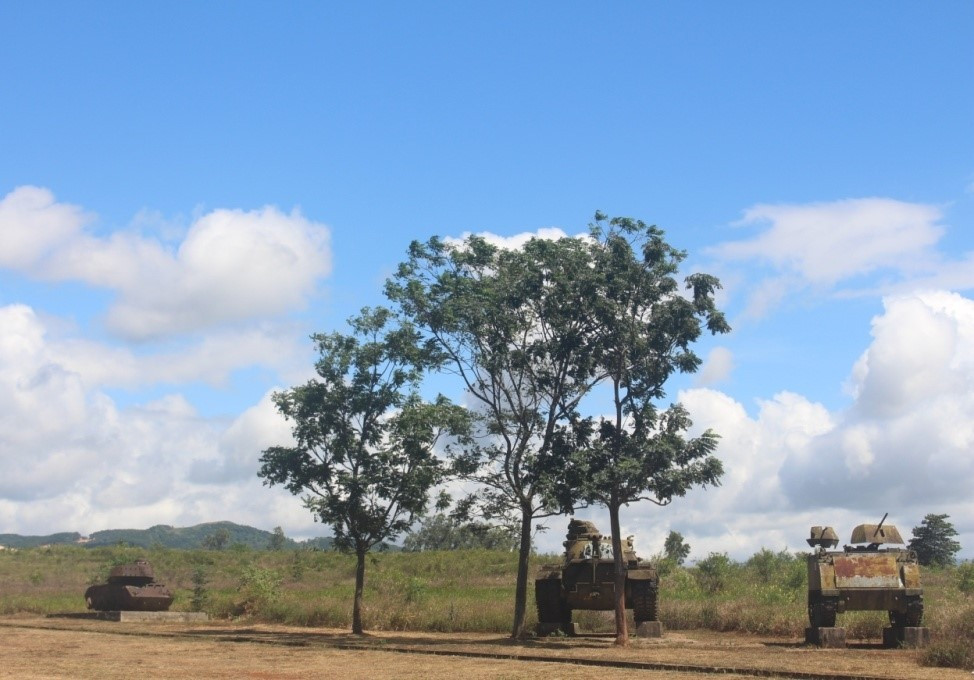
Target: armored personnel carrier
column 586, row 579
column 130, row 587
column 867, row 576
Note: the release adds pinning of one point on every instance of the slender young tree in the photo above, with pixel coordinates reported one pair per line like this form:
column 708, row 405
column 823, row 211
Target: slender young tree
column 641, row 333
column 505, row 323
column 675, row 548
column 363, row 455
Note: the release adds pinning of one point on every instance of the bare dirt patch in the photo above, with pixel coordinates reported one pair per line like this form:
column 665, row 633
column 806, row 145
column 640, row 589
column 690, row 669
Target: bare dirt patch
column 78, row 648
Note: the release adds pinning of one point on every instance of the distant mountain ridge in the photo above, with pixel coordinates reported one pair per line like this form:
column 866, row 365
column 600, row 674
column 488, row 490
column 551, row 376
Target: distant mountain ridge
column 165, row 536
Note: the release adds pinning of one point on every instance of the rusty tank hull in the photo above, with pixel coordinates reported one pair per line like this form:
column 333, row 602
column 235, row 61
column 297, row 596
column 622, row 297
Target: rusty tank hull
column 864, row 578
column 130, row 587
column 154, row 597
column 586, row 580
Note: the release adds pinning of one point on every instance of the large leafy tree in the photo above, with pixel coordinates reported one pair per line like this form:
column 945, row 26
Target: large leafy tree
column 933, row 541
column 641, row 332
column 363, row 439
column 505, row 322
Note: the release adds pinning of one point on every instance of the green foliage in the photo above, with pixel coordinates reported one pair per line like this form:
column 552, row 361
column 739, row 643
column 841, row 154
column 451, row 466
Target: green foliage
column 713, row 572
column 503, row 321
column 932, row 541
column 200, row 595
column 278, row 540
column 363, row 456
column 18, row 541
column 948, row 654
column 768, row 564
column 531, row 332
column 364, row 438
column 442, row 532
column 297, row 566
column 260, row 587
column 675, row 548
column 965, row 578
column 218, row 540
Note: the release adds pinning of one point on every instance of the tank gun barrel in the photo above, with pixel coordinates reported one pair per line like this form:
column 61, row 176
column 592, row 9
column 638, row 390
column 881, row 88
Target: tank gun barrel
column 880, row 525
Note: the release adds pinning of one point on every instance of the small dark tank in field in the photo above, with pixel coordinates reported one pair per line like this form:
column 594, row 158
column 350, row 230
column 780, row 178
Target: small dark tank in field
column 586, row 579
column 130, row 587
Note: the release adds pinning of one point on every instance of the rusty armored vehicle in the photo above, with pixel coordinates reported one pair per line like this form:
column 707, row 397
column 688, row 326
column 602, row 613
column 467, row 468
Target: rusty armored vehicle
column 130, row 587
column 867, row 576
column 586, row 579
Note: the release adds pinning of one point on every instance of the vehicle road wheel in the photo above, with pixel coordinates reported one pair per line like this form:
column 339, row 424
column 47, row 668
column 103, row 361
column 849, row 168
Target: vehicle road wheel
column 911, row 617
column 644, row 601
column 821, row 611
column 547, row 596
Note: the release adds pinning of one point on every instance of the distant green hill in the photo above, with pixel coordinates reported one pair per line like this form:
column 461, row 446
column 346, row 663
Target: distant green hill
column 18, row 541
column 168, row 537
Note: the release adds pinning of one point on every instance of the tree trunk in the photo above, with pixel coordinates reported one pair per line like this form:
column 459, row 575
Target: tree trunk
column 622, row 630
column 521, row 589
column 359, row 587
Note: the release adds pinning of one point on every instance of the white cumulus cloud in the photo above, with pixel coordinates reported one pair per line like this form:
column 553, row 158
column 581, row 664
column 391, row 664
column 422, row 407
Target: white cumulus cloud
column 829, row 242
column 232, row 265
column 717, row 367
column 847, row 247
column 72, row 459
column 32, row 224
column 514, row 242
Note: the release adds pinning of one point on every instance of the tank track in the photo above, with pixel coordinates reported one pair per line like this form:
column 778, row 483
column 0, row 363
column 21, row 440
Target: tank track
column 644, row 601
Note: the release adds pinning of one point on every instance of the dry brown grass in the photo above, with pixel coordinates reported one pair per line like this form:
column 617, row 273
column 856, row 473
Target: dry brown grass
column 44, row 648
column 32, row 653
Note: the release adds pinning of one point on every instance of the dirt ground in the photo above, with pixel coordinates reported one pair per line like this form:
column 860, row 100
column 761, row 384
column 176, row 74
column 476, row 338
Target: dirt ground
column 33, row 647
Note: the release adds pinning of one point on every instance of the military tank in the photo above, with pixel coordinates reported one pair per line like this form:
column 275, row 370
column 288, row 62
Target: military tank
column 130, row 587
column 867, row 576
column 586, row 580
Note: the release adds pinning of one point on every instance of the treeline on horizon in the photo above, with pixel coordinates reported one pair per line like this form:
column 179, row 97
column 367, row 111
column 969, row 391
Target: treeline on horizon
column 208, row 535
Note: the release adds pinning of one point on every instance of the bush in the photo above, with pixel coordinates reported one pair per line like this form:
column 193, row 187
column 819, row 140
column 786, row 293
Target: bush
column 965, row 578
column 200, row 595
column 713, row 572
column 260, row 587
column 767, row 564
column 948, row 654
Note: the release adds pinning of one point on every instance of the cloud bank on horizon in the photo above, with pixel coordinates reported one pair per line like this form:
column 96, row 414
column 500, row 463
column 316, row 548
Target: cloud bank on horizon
column 222, row 299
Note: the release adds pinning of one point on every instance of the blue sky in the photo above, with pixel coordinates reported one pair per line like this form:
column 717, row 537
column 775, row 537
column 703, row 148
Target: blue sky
column 188, row 190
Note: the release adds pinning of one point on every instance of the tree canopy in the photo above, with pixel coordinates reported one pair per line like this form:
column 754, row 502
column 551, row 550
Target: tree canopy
column 443, row 532
column 675, row 548
column 531, row 332
column 933, row 541
column 504, row 322
column 363, row 439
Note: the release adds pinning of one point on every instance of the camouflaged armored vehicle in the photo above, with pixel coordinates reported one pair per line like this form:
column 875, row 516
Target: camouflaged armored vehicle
column 130, row 587
column 586, row 579
column 863, row 577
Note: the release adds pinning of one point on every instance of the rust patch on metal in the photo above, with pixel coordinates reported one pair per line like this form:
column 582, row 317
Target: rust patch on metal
column 867, row 571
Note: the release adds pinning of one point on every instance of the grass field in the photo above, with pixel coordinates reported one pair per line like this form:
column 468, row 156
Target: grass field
column 460, row 591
